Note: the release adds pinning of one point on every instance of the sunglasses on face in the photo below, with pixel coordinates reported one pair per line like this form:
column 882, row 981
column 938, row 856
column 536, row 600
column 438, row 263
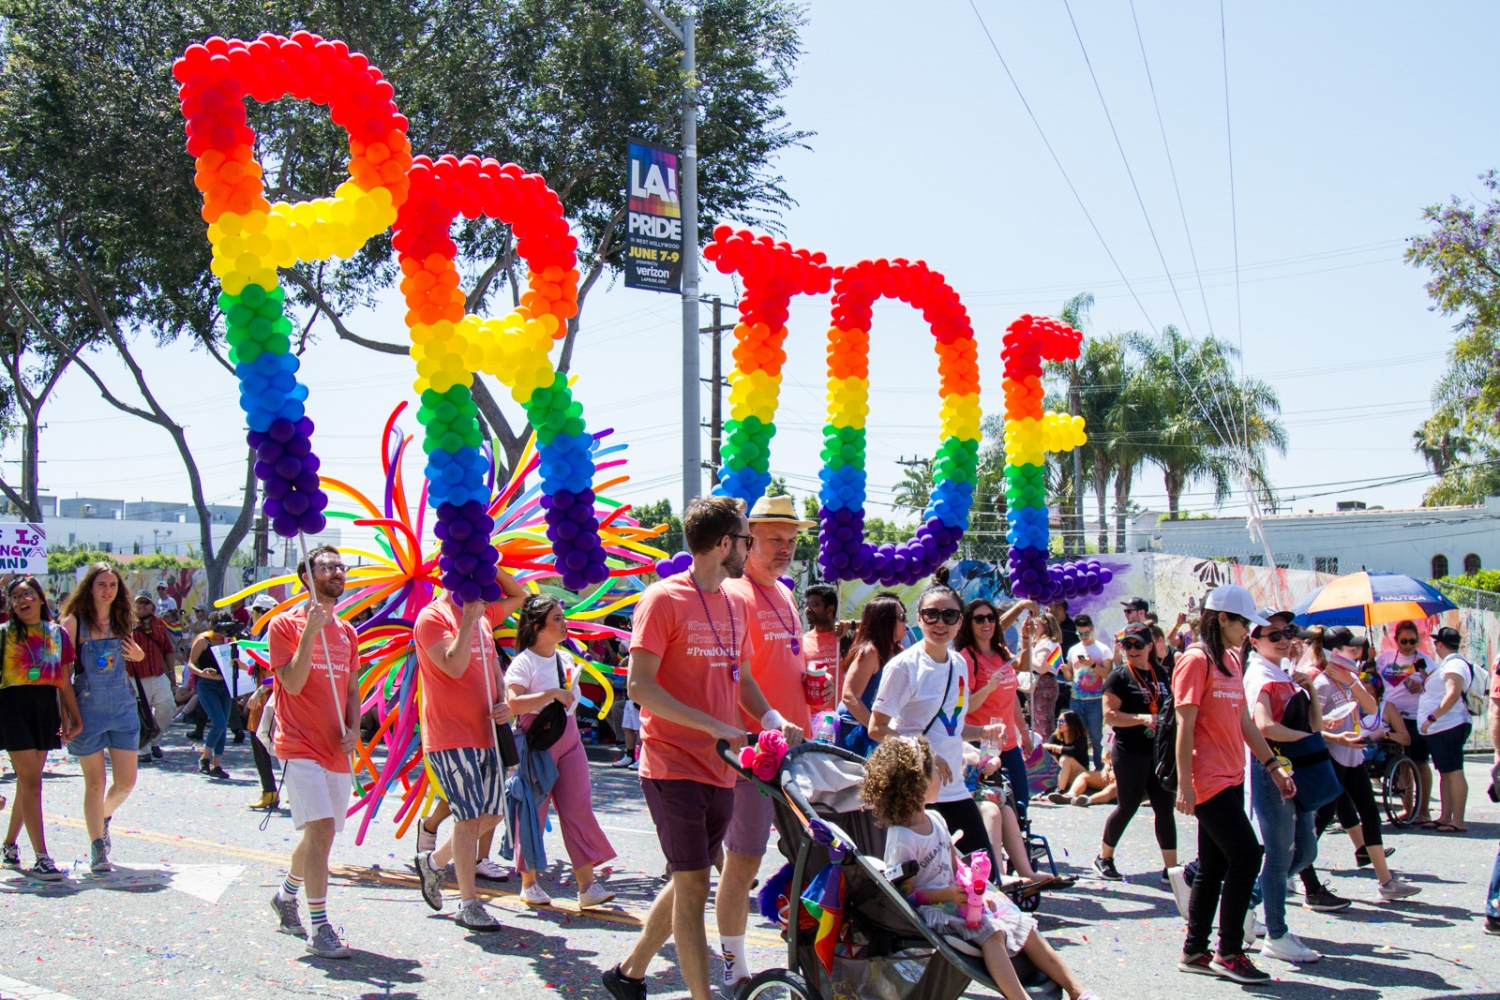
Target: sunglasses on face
column 1240, row 619
column 948, row 616
column 901, row 617
column 1132, row 644
column 983, row 619
column 1280, row 635
column 1407, row 642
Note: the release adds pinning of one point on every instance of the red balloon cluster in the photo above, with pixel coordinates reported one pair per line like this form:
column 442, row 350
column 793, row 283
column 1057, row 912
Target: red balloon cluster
column 914, row 283
column 773, row 272
column 1032, row 339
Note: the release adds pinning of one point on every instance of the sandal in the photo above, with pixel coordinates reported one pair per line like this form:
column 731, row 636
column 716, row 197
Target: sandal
column 1450, row 828
column 1431, row 824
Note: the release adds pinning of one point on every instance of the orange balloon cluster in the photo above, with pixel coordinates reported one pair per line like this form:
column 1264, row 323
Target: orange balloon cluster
column 1023, row 397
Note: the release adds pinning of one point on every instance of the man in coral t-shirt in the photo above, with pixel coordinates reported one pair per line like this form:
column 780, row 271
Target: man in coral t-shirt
column 314, row 659
column 692, row 674
column 463, row 699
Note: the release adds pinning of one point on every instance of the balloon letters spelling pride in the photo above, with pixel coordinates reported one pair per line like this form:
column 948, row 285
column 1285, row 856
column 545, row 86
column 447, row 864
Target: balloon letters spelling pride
column 1029, row 434
column 772, row 273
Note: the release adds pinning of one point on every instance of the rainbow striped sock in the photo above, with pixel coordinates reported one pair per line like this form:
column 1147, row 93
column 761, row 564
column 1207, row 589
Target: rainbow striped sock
column 317, row 911
column 290, row 886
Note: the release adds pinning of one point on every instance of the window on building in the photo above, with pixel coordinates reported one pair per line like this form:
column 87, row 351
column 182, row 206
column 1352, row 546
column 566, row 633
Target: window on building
column 1439, row 566
column 1471, row 564
column 1326, row 564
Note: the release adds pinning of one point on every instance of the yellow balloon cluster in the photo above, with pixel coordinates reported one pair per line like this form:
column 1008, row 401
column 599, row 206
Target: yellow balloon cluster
column 512, row 348
column 754, row 394
column 960, row 416
column 248, row 248
column 1027, row 441
column 848, row 401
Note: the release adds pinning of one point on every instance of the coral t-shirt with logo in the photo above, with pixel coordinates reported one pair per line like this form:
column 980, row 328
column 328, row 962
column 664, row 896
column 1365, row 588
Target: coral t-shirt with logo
column 456, row 710
column 307, row 723
column 778, row 670
column 1218, row 740
column 703, row 639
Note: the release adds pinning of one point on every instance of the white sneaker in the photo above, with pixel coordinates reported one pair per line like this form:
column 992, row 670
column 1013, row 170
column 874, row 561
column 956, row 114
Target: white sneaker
column 490, row 871
column 1397, row 889
column 1253, row 928
column 594, row 895
column 1288, row 949
column 1181, row 891
column 1293, row 886
column 533, row 895
column 426, row 841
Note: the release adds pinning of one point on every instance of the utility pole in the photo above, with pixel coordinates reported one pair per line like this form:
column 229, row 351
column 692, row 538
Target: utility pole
column 692, row 433
column 716, row 400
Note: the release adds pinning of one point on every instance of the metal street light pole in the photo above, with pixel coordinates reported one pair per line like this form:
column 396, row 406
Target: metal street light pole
column 692, row 432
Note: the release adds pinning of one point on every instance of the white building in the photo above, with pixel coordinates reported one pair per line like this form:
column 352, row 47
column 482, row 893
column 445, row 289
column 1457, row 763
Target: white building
column 1423, row 542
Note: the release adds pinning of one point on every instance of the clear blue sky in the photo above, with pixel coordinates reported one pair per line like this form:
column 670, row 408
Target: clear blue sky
column 1347, row 119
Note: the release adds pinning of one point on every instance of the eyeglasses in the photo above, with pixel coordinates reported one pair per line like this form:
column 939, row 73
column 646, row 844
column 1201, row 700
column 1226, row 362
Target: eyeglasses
column 331, row 569
column 1132, row 644
column 749, row 540
column 982, row 619
column 1241, row 619
column 1280, row 635
column 948, row 616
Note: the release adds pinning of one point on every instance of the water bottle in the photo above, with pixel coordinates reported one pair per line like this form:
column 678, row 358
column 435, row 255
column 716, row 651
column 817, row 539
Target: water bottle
column 826, row 727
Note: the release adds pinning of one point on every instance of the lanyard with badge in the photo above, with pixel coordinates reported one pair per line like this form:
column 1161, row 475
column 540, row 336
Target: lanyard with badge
column 733, row 648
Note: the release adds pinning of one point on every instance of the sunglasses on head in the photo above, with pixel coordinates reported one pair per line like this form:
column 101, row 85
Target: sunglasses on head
column 1280, row 635
column 985, row 619
column 1132, row 644
column 948, row 616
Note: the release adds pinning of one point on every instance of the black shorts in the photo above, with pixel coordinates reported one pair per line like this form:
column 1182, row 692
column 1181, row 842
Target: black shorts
column 691, row 818
column 1417, row 752
column 1447, row 748
column 30, row 718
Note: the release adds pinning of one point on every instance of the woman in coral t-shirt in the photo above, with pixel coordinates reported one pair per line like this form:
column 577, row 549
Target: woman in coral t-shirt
column 992, row 678
column 1213, row 728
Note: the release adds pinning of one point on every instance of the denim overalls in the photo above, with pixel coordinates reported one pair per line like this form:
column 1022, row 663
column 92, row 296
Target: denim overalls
column 106, row 697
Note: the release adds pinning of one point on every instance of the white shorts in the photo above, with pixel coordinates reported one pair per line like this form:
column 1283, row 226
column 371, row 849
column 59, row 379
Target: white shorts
column 632, row 718
column 316, row 793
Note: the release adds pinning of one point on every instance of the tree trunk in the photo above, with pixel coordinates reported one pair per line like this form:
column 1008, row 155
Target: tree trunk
column 1101, row 485
column 216, row 561
column 1123, row 480
column 1173, row 482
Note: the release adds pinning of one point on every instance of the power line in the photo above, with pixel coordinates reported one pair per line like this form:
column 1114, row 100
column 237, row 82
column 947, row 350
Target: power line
column 1171, row 167
column 1234, row 221
column 1060, row 169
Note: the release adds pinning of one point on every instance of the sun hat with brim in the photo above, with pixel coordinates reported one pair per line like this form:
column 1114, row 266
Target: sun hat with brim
column 778, row 509
column 1234, row 600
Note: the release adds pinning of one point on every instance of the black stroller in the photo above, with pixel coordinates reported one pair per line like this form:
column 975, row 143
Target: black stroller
column 897, row 957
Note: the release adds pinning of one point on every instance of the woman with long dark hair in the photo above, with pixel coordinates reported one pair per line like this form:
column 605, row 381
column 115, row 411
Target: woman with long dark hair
column 541, row 673
column 992, row 679
column 1213, row 729
column 213, row 692
column 882, row 626
column 1134, row 693
column 38, row 710
column 100, row 620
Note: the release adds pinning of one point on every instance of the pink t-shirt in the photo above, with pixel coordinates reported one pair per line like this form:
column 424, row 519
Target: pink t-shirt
column 1218, row 740
column 1000, row 706
column 777, row 669
column 307, row 723
column 456, row 710
column 702, row 639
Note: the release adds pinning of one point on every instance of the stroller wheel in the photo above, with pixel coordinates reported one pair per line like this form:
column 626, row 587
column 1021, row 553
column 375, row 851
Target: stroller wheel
column 775, row 984
column 1030, row 904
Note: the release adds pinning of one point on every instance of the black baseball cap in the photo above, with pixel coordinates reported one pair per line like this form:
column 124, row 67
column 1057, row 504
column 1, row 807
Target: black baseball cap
column 1136, row 604
column 1139, row 631
column 1448, row 636
column 1337, row 636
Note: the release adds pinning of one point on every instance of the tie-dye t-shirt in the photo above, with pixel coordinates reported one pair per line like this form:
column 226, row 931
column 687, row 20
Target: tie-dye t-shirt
column 42, row 657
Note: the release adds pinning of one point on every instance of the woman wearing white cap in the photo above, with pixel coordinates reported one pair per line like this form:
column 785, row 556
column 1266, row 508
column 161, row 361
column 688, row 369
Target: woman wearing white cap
column 1213, row 729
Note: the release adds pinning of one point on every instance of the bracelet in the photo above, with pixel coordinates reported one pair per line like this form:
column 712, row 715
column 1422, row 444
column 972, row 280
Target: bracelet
column 1278, row 761
column 772, row 720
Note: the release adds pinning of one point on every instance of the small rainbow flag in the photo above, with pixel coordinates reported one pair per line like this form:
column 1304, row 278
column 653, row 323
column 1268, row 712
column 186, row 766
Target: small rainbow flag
column 824, row 900
column 1054, row 659
column 174, row 629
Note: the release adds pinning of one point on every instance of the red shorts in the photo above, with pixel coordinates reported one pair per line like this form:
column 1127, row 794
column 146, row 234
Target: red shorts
column 690, row 819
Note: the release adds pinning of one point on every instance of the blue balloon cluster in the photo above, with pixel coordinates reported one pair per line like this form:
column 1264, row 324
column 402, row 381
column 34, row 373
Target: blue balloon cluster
column 843, row 489
column 269, row 390
column 1028, row 528
column 950, row 503
column 467, row 559
column 746, row 483
column 285, row 463
column 457, row 477
column 567, row 463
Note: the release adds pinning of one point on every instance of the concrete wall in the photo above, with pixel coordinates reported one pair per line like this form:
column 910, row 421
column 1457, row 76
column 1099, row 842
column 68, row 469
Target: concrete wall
column 151, row 536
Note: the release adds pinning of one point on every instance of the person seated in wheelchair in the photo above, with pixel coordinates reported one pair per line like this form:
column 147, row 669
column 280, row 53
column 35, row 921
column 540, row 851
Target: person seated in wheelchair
column 900, row 782
column 991, row 788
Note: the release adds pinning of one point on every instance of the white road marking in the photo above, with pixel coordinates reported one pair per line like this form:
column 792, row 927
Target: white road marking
column 206, row 882
column 14, row 989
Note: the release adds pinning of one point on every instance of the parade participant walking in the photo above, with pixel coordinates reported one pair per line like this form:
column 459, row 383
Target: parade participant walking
column 544, row 673
column 877, row 638
column 99, row 620
column 692, row 673
column 1213, row 729
column 1046, row 638
column 213, row 693
column 993, row 681
column 1403, row 673
column 463, row 700
column 1087, row 667
column 315, row 663
column 924, row 692
column 156, row 670
column 1133, row 695
column 38, row 711
column 821, row 641
column 1285, row 711
column 779, row 669
column 1445, row 723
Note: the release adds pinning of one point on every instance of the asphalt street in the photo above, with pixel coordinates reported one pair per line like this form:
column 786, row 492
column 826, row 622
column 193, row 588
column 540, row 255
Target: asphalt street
column 186, row 912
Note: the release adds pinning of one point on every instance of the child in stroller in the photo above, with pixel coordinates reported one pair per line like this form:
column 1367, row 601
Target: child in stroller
column 900, row 781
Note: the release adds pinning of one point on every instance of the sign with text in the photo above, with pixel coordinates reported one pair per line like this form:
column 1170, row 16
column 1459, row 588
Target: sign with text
column 653, row 220
column 23, row 548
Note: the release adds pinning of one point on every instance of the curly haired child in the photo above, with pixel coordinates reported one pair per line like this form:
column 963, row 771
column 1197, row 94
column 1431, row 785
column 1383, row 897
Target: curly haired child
column 900, row 781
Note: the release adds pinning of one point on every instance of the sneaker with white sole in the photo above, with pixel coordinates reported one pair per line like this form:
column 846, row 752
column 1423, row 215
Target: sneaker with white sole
column 1397, row 889
column 635, row 765
column 1239, row 968
column 491, row 872
column 1253, row 928
column 477, row 917
column 534, row 895
column 1324, row 901
column 289, row 921
column 621, row 761
column 1181, row 891
column 99, row 857
column 325, row 943
column 10, row 857
column 594, row 895
column 1288, row 948
column 45, row 871
column 431, row 880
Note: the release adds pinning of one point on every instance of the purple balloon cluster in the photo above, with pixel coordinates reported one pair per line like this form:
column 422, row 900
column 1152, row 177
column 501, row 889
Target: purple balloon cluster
column 680, row 563
column 573, row 531
column 467, row 560
column 843, row 553
column 285, row 463
column 1033, row 579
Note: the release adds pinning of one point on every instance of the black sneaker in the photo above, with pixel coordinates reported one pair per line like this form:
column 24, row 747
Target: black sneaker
column 1492, row 925
column 10, row 857
column 196, row 735
column 1362, row 856
column 1323, row 901
column 156, row 752
column 1201, row 964
column 1165, row 878
column 1105, row 867
column 203, row 765
column 45, row 871
column 218, row 772
column 1239, row 968
column 622, row 987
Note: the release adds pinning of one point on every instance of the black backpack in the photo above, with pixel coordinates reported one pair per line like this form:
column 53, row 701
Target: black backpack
column 1164, row 749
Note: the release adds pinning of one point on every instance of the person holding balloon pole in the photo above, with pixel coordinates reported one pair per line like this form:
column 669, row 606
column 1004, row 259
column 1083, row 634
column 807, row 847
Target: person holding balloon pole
column 463, row 701
column 315, row 663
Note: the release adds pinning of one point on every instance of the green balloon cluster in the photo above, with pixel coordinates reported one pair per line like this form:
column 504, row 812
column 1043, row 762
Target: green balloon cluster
column 957, row 461
column 449, row 419
column 747, row 444
column 254, row 324
column 843, row 446
column 552, row 410
column 1025, row 486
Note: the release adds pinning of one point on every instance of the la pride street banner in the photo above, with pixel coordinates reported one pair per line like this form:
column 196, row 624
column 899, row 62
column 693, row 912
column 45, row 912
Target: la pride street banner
column 653, row 224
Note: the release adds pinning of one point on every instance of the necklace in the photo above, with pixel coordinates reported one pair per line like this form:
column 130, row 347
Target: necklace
column 796, row 641
column 733, row 648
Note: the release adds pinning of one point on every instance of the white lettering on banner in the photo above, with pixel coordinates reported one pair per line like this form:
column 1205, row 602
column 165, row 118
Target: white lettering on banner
column 660, row 227
column 654, row 184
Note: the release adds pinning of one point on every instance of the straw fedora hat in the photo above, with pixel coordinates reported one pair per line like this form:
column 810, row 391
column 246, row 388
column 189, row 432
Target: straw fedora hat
column 780, row 509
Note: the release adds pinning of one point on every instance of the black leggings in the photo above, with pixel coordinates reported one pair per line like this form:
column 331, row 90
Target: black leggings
column 1135, row 778
column 964, row 815
column 263, row 765
column 1355, row 806
column 1228, row 865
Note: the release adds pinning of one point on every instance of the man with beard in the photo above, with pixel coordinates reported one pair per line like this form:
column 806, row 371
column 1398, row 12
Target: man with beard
column 314, row 657
column 691, row 672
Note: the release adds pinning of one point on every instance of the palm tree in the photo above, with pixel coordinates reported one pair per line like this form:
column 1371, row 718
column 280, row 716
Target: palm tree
column 1104, row 372
column 1440, row 441
column 1075, row 313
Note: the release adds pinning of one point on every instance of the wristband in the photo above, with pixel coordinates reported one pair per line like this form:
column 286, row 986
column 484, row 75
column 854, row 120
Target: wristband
column 772, row 720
